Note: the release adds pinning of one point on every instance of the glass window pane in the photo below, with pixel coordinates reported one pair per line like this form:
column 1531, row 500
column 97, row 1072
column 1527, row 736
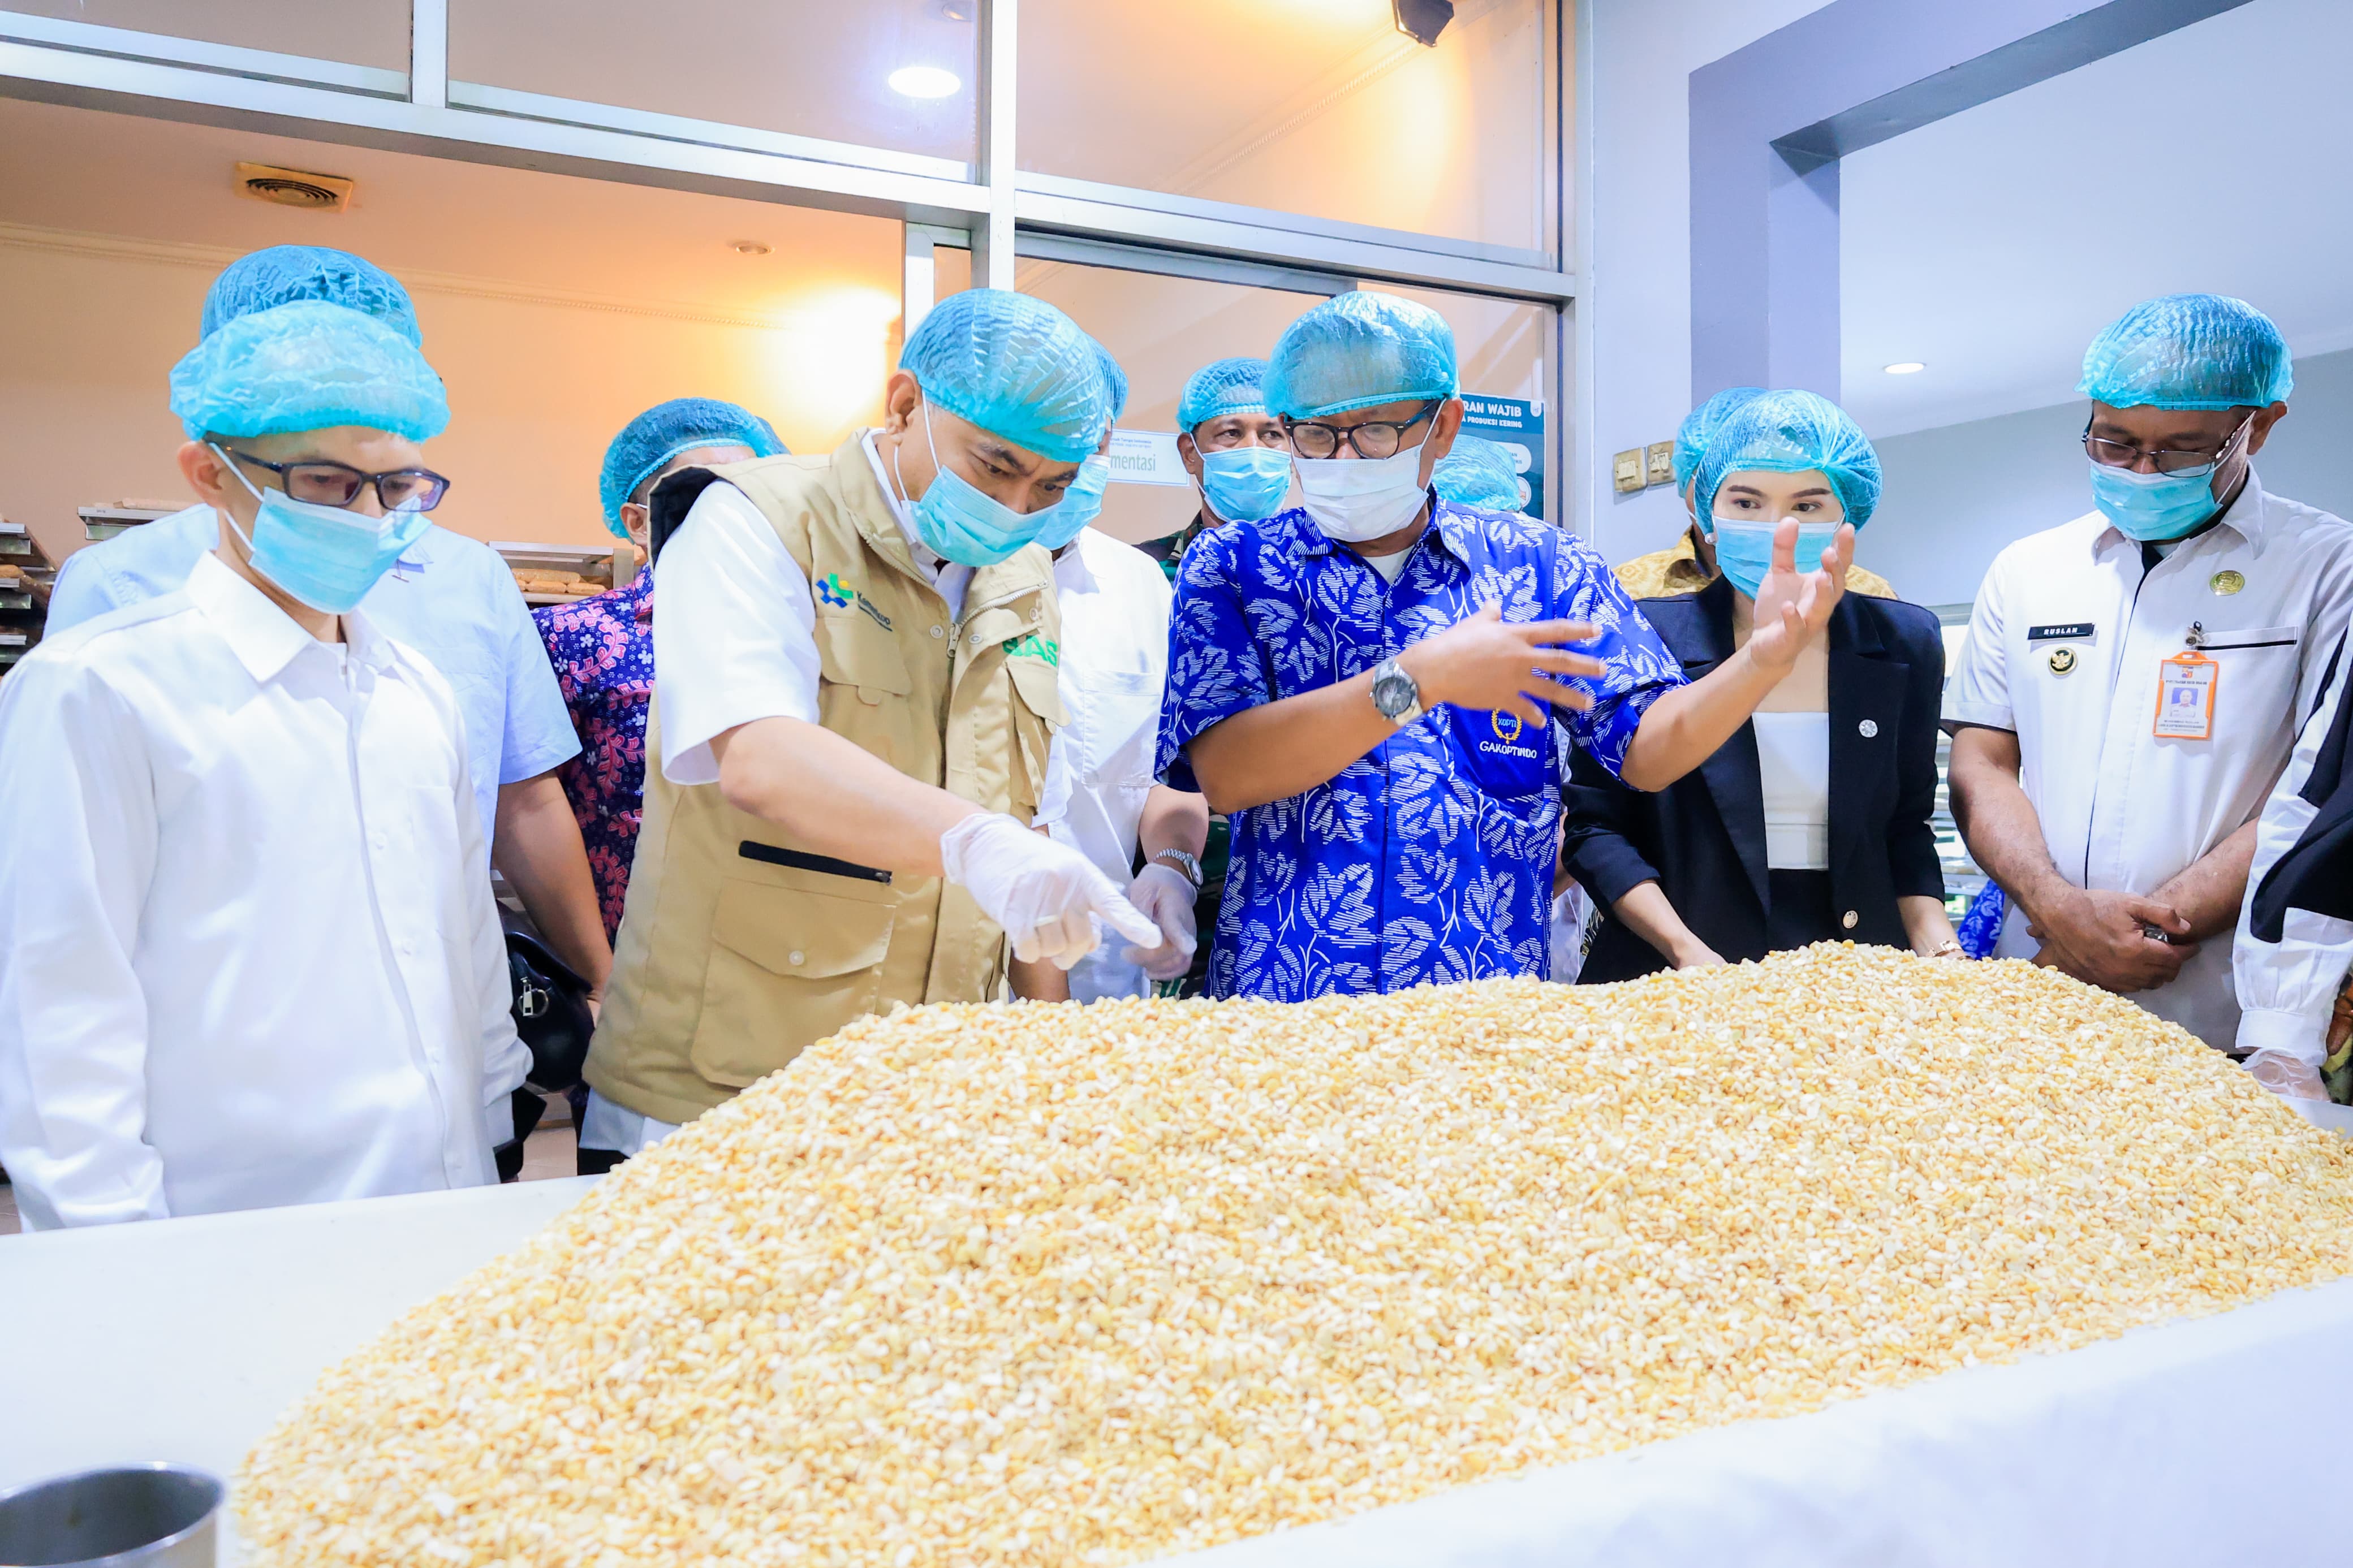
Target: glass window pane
column 353, row 32
column 1315, row 107
column 893, row 74
column 1504, row 352
column 1161, row 330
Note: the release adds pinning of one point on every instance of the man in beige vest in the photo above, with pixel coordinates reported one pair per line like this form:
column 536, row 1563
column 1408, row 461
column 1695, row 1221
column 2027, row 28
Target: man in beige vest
column 855, row 671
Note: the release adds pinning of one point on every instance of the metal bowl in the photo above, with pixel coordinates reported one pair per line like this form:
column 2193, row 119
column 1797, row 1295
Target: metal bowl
column 131, row 1516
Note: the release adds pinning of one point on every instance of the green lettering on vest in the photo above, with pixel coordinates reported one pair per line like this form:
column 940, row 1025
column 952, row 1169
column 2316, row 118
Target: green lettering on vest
column 1032, row 646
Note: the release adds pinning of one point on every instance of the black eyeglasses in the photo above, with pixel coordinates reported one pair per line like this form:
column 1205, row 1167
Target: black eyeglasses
column 2188, row 461
column 339, row 484
column 1375, row 438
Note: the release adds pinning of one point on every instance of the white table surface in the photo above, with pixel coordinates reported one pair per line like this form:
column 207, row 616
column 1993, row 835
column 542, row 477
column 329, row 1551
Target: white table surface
column 187, row 1339
column 2196, row 1443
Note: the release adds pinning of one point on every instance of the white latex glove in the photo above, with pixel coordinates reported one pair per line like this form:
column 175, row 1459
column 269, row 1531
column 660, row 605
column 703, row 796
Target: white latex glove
column 1166, row 895
column 1046, row 895
column 2290, row 1078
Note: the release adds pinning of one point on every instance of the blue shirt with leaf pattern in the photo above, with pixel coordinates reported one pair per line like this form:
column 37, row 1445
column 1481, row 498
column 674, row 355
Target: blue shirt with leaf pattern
column 1430, row 858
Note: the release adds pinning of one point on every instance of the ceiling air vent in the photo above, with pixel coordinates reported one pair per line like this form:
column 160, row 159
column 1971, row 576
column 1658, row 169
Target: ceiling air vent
column 293, row 188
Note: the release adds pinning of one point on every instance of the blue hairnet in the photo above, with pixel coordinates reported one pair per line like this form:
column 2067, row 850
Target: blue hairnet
column 1358, row 350
column 2189, row 351
column 1700, row 424
column 1478, row 473
column 1222, row 387
column 307, row 366
column 1789, row 433
column 647, row 443
column 1114, row 378
column 1015, row 366
column 285, row 273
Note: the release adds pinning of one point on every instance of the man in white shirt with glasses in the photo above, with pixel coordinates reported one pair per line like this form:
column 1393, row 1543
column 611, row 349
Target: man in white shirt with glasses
column 2134, row 679
column 248, row 956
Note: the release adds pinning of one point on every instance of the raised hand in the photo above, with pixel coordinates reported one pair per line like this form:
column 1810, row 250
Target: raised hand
column 1795, row 603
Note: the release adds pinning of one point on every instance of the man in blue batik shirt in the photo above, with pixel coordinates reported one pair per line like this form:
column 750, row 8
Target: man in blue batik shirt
column 1364, row 685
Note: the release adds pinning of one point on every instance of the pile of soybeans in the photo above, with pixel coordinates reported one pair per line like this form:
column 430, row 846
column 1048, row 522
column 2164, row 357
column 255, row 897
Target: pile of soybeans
column 1065, row 1285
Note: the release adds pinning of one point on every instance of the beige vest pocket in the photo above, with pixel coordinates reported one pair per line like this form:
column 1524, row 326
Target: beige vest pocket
column 787, row 968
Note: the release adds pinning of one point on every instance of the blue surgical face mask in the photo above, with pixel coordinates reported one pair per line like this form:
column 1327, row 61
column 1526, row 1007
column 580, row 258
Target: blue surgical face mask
column 958, row 522
column 327, row 556
column 1744, row 551
column 1245, row 484
column 1081, row 504
column 2153, row 508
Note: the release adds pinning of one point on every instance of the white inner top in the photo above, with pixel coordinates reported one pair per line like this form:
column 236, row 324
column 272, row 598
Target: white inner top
column 1390, row 567
column 1793, row 761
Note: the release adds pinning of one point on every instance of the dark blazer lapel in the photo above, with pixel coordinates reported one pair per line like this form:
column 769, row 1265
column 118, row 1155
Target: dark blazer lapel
column 1866, row 690
column 1731, row 774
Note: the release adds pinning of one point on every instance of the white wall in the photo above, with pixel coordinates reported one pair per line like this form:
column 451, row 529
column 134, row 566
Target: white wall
column 1956, row 494
column 537, row 385
column 1636, row 57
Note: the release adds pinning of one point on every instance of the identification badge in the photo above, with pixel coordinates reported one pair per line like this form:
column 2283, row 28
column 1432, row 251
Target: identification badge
column 2185, row 697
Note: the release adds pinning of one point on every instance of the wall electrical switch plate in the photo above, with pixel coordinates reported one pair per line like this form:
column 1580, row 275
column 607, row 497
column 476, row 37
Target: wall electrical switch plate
column 1627, row 467
column 1661, row 458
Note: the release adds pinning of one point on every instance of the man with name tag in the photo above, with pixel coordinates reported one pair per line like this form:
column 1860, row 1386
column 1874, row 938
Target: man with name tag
column 2134, row 679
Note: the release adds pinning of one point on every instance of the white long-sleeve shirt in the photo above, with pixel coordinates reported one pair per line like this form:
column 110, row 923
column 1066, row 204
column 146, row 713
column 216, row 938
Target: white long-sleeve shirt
column 2288, row 984
column 246, row 954
column 1115, row 603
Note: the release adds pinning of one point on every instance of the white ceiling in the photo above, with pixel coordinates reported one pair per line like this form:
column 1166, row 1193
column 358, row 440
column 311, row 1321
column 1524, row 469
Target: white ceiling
column 119, row 174
column 1995, row 245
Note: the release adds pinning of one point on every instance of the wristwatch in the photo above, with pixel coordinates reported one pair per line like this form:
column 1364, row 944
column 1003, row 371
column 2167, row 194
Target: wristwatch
column 1185, row 861
column 1395, row 694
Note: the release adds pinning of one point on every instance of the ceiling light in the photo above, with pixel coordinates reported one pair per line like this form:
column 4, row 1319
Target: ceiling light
column 1422, row 20
column 925, row 81
column 958, row 10
column 747, row 248
column 1906, row 367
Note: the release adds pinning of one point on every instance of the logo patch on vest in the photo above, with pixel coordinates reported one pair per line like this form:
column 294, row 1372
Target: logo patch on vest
column 1032, row 645
column 836, row 595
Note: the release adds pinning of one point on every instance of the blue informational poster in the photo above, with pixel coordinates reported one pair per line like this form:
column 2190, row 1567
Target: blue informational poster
column 1518, row 426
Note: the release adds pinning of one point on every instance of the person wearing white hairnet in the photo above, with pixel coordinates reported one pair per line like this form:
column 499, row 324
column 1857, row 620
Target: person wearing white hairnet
column 1099, row 797
column 250, row 957
column 449, row 597
column 2134, row 680
column 854, row 703
column 1374, row 688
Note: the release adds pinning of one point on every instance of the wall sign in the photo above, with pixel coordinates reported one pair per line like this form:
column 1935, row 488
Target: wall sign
column 1517, row 426
column 1146, row 458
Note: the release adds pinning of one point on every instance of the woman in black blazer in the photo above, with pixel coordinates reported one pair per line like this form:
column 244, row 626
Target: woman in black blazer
column 1823, row 834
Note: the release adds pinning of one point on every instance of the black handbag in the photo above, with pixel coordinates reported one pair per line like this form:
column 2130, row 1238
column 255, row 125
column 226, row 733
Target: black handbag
column 550, row 1008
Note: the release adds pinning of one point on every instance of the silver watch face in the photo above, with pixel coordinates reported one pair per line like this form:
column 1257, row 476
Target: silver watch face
column 1394, row 693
